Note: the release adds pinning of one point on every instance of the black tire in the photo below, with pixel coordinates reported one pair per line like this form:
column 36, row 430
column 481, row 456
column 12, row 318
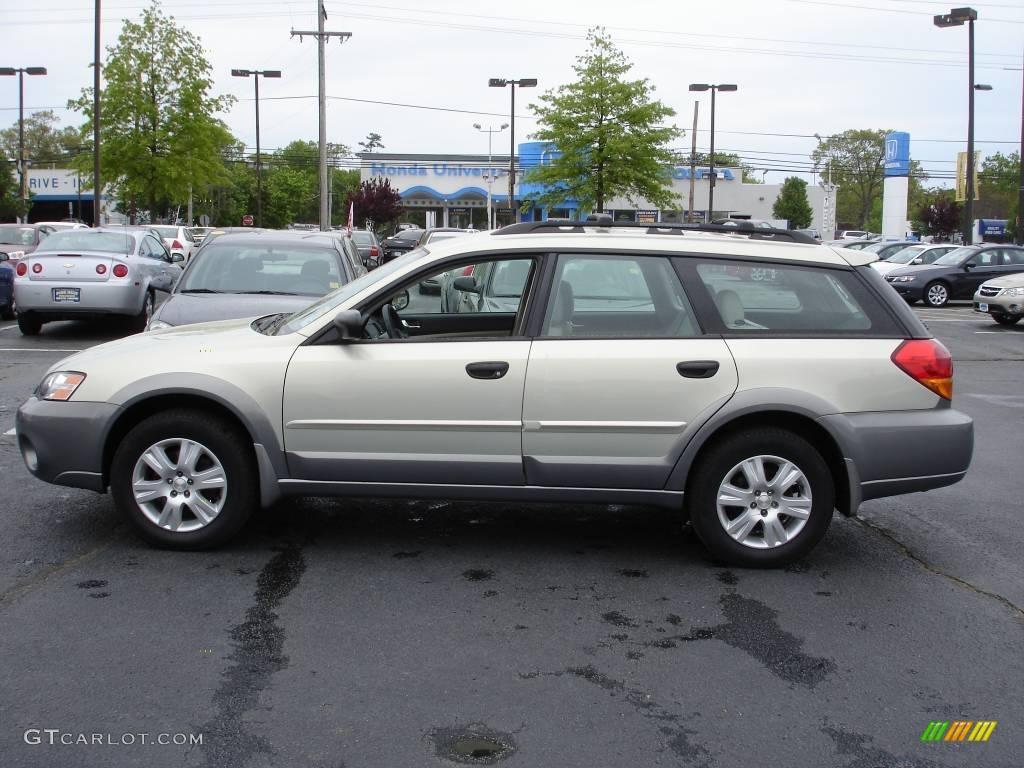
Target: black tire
column 29, row 324
column 1007, row 319
column 714, row 467
column 941, row 298
column 140, row 321
column 231, row 447
column 9, row 311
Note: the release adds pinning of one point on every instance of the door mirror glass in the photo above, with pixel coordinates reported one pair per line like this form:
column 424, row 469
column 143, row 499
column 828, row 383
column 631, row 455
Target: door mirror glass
column 466, row 284
column 400, row 301
column 4, row 256
column 349, row 323
column 177, row 257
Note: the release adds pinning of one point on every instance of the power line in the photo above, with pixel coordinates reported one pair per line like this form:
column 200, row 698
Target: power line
column 888, row 10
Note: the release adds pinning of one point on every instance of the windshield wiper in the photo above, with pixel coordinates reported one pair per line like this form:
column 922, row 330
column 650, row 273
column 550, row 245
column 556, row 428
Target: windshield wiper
column 200, row 290
column 268, row 293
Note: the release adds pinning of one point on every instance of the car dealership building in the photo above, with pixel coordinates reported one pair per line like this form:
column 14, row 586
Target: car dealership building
column 451, row 190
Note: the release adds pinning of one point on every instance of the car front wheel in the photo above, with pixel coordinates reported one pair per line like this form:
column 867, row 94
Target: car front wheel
column 185, row 479
column 1007, row 319
column 936, row 294
column 761, row 498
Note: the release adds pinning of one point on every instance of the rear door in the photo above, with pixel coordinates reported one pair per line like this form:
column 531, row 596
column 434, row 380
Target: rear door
column 619, row 370
column 985, row 264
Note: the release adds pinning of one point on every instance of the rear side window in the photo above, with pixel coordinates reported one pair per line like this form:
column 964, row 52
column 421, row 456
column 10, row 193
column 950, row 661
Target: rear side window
column 752, row 299
column 610, row 296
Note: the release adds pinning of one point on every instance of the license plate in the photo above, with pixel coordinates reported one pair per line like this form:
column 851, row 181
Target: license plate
column 65, row 295
column 982, row 307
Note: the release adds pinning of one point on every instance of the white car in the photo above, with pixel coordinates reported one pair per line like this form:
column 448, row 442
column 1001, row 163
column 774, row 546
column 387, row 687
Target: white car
column 912, row 255
column 750, row 382
column 178, row 239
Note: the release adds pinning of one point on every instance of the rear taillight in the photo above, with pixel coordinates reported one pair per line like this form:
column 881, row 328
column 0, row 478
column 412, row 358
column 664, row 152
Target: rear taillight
column 120, row 270
column 927, row 362
column 176, row 245
column 101, row 269
column 373, row 251
column 466, row 272
column 21, row 269
column 37, row 268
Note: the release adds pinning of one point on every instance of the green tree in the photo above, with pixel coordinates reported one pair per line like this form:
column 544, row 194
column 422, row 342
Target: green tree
column 45, row 143
column 858, row 167
column 999, row 182
column 372, row 143
column 8, row 192
column 609, row 133
column 159, row 133
column 792, row 204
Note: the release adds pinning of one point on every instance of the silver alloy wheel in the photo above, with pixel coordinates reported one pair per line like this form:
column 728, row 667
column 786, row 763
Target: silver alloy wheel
column 179, row 484
column 764, row 501
column 937, row 295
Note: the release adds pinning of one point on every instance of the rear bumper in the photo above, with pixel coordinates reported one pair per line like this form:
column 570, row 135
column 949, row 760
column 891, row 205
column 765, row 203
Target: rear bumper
column 904, row 451
column 62, row 442
column 120, row 298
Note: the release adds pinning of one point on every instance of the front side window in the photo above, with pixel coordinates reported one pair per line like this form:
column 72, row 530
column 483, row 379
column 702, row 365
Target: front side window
column 790, row 299
column 617, row 296
column 488, row 286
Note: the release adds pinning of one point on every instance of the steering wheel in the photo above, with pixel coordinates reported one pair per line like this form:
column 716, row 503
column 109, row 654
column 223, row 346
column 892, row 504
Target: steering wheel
column 392, row 322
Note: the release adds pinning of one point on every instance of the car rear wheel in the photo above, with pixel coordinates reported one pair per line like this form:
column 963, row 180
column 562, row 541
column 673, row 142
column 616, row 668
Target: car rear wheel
column 1007, row 319
column 29, row 324
column 185, row 479
column 936, row 294
column 761, row 498
column 141, row 320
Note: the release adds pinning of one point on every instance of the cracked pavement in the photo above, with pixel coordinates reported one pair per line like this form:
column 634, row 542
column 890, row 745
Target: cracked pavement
column 395, row 633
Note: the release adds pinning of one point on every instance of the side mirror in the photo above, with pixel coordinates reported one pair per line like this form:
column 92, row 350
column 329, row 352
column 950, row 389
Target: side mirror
column 4, row 256
column 969, row 266
column 400, row 301
column 177, row 258
column 371, row 263
column 918, row 260
column 349, row 323
column 466, row 284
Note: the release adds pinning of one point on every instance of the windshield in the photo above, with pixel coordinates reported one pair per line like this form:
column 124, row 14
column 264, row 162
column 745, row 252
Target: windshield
column 90, row 240
column 333, row 300
column 362, row 238
column 954, row 257
column 166, row 231
column 283, row 268
column 907, row 255
column 409, row 234
column 17, row 236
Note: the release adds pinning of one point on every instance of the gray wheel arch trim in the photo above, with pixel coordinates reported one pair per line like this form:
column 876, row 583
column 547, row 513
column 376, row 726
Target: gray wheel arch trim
column 745, row 403
column 227, row 395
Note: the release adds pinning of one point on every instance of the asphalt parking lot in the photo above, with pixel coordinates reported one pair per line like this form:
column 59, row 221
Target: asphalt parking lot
column 362, row 633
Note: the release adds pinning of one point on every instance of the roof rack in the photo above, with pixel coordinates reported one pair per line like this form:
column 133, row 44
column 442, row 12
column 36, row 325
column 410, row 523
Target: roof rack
column 604, row 221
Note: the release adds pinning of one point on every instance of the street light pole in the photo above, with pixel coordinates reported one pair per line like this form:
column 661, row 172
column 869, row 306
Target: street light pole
column 21, row 72
column 726, row 87
column 256, row 74
column 525, row 82
column 956, row 18
column 490, row 133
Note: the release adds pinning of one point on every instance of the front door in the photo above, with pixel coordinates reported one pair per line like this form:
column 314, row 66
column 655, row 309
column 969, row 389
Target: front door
column 619, row 371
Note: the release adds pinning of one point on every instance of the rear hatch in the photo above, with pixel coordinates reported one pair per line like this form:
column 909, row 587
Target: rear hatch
column 71, row 267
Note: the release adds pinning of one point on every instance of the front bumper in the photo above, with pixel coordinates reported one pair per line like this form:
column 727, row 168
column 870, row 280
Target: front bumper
column 910, row 291
column 896, row 452
column 1012, row 306
column 96, row 298
column 62, row 442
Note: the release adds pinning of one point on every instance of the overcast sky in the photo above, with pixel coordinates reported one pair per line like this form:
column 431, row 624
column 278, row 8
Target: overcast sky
column 802, row 67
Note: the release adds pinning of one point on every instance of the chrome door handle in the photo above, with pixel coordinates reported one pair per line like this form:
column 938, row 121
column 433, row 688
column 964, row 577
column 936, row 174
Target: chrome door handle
column 414, row 327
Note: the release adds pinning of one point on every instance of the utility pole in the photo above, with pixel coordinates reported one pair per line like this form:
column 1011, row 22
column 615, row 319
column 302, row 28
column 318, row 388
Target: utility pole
column 96, row 186
column 1019, row 228
column 322, row 36
column 693, row 160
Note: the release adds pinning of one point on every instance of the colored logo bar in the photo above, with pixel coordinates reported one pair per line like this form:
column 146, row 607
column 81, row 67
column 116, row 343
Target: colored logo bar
column 958, row 730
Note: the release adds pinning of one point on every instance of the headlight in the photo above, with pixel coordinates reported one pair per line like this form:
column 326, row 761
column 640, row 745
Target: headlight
column 1012, row 292
column 60, row 385
column 157, row 325
column 902, row 279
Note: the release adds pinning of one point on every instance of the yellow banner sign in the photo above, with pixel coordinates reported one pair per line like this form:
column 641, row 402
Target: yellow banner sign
column 961, row 176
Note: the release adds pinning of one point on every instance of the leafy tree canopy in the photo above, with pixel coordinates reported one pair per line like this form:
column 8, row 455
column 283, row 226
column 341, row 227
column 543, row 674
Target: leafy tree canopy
column 158, row 130
column 373, row 142
column 45, row 143
column 610, row 133
column 792, row 204
column 375, row 201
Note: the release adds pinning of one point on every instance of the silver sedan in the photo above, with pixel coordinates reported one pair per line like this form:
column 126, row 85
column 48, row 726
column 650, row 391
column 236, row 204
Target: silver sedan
column 88, row 273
